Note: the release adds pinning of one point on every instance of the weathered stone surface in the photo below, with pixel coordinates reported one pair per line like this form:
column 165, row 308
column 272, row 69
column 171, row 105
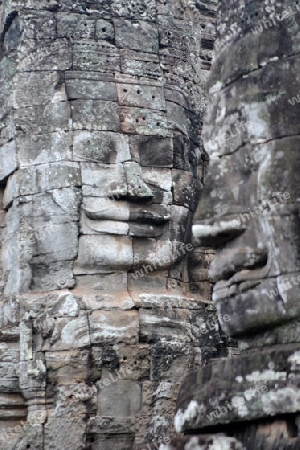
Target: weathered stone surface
column 140, row 64
column 41, row 178
column 111, row 399
column 89, row 86
column 106, row 181
column 98, row 253
column 39, row 91
column 49, row 56
column 140, row 147
column 137, row 35
column 107, row 327
column 42, row 119
column 96, row 56
column 8, row 155
column 68, row 27
column 250, row 133
column 105, row 30
column 44, row 149
column 267, row 386
column 95, row 115
column 144, row 121
column 143, row 95
column 103, row 147
column 219, row 441
column 94, row 97
column 135, row 9
column 136, row 186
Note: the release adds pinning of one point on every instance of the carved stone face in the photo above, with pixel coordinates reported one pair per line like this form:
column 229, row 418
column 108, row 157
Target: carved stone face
column 100, row 172
column 250, row 206
column 139, row 193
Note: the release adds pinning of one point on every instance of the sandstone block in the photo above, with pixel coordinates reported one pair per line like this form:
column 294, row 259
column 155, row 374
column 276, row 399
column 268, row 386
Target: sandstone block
column 140, row 64
column 186, row 154
column 152, row 253
column 111, row 425
column 99, row 9
column 69, row 27
column 39, row 91
column 43, row 149
column 105, row 30
column 39, row 26
column 107, row 327
column 65, row 367
column 114, row 283
column 67, row 333
column 134, row 10
column 140, row 230
column 104, row 181
column 103, row 147
column 71, row 434
column 134, row 361
column 55, row 55
column 97, row 253
column 185, row 189
column 158, row 177
column 143, row 146
column 122, row 441
column 97, row 208
column 136, row 187
column 97, row 56
column 42, row 178
column 95, row 115
column 102, row 299
column 143, row 121
column 88, row 226
column 42, row 119
column 89, row 86
column 9, row 377
column 31, row 436
column 141, row 95
column 171, row 361
column 182, row 120
column 138, row 35
column 158, row 324
column 120, row 399
column 8, row 156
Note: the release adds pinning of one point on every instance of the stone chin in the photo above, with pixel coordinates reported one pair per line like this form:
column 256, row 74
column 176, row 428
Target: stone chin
column 265, row 304
column 105, row 253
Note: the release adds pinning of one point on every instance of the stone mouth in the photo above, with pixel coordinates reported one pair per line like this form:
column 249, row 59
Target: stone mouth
column 131, row 215
column 222, row 292
column 247, row 275
column 235, row 263
column 241, row 281
column 149, row 219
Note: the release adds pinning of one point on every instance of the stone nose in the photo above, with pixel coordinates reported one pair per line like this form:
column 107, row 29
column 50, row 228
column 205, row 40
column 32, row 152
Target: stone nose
column 137, row 189
column 217, row 234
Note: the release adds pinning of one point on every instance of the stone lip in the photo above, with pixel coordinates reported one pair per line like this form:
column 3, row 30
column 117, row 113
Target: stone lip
column 248, row 387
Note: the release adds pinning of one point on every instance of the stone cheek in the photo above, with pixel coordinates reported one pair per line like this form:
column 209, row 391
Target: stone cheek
column 100, row 172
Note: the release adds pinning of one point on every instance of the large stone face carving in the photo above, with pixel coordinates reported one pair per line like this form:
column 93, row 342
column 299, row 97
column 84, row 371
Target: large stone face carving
column 250, row 214
column 101, row 168
column 253, row 221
